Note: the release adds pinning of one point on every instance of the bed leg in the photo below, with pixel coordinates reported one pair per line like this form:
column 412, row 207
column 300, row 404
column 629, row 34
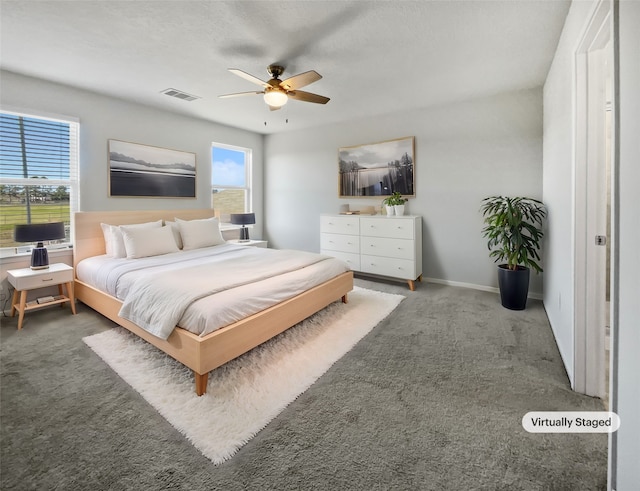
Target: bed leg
column 201, row 382
column 345, row 298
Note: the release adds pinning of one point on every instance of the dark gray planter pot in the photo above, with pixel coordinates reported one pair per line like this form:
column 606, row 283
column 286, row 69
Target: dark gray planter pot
column 514, row 287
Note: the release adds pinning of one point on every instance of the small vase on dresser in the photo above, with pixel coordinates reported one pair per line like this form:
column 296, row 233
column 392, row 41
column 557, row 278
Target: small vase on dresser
column 390, row 210
column 399, row 210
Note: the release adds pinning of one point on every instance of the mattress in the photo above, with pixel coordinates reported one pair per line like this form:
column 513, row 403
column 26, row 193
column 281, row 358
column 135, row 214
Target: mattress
column 118, row 277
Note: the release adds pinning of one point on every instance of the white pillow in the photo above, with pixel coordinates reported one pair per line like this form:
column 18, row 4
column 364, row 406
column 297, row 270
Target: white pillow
column 176, row 232
column 114, row 244
column 108, row 238
column 200, row 233
column 145, row 242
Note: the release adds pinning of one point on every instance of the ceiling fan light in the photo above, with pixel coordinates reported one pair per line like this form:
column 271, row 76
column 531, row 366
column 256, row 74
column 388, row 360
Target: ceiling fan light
column 275, row 98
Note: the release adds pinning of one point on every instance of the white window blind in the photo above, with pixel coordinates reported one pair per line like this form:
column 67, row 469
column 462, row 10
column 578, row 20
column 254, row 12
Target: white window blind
column 38, row 172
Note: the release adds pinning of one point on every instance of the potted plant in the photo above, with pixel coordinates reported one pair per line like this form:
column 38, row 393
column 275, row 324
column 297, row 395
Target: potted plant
column 394, row 204
column 388, row 203
column 514, row 231
column 398, row 205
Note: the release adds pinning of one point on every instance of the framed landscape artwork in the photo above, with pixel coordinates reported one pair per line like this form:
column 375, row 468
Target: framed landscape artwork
column 377, row 169
column 144, row 171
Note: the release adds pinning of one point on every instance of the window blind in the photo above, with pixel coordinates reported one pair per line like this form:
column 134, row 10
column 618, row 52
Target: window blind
column 38, row 172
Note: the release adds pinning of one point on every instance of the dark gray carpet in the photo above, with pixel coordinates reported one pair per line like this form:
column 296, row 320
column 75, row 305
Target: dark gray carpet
column 431, row 399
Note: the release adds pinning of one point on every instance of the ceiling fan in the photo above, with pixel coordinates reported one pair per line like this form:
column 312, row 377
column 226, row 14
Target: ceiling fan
column 277, row 92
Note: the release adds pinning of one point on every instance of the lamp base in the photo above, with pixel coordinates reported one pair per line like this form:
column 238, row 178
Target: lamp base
column 39, row 257
column 244, row 234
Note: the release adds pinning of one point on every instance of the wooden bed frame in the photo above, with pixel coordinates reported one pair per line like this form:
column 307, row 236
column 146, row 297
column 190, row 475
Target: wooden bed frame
column 200, row 354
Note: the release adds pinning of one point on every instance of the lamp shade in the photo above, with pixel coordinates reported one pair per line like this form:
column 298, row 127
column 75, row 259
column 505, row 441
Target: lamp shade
column 243, row 218
column 38, row 232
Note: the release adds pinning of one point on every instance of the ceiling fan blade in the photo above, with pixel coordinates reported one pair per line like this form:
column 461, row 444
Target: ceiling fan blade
column 249, row 77
column 240, row 93
column 301, row 95
column 300, row 80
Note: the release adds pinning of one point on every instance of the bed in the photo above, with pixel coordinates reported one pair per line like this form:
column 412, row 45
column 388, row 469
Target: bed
column 207, row 349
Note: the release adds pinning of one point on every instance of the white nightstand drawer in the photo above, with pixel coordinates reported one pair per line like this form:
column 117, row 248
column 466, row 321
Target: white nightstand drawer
column 349, row 225
column 385, row 247
column 397, row 228
column 30, row 279
column 336, row 242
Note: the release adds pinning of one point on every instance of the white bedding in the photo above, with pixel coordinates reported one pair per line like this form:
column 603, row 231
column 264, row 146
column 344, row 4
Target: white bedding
column 234, row 297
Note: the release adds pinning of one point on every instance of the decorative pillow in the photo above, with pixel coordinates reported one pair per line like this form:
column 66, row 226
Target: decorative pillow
column 200, row 233
column 176, row 232
column 114, row 244
column 108, row 238
column 145, row 242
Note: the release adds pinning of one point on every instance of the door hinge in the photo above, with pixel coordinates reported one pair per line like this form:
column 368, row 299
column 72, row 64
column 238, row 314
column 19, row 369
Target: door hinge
column 601, row 240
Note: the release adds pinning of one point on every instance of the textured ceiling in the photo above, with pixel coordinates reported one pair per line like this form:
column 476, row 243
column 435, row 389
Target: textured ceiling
column 376, row 57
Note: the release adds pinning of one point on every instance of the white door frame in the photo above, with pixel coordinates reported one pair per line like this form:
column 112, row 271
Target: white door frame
column 589, row 217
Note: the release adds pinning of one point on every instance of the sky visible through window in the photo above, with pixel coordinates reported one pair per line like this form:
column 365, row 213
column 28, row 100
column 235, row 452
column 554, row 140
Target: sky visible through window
column 228, row 167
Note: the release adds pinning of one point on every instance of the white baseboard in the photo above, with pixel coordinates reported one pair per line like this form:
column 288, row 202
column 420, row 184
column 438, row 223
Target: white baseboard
column 492, row 289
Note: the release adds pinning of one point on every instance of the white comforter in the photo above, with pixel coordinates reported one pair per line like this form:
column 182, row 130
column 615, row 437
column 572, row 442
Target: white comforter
column 205, row 289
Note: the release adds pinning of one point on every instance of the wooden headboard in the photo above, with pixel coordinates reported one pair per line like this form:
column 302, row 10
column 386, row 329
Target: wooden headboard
column 89, row 240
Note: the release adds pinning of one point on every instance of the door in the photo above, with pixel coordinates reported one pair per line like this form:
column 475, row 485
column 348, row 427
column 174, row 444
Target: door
column 594, row 74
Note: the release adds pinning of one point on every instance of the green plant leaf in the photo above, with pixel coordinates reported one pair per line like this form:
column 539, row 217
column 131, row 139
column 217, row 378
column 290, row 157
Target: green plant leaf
column 513, row 229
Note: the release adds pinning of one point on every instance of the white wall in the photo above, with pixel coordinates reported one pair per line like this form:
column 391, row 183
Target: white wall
column 626, row 391
column 464, row 153
column 558, row 183
column 103, row 118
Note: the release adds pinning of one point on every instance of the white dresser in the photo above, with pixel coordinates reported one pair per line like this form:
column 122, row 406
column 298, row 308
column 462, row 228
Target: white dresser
column 378, row 245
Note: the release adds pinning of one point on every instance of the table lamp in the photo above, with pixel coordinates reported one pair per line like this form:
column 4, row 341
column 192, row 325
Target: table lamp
column 38, row 233
column 243, row 219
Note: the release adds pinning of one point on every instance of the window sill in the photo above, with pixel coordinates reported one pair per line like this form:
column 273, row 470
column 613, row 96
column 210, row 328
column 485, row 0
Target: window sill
column 9, row 254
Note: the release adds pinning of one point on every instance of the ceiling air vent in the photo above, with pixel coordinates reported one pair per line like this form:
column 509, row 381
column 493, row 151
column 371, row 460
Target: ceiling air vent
column 178, row 94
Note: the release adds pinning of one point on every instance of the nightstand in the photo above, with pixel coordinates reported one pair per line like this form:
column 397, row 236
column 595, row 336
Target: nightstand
column 27, row 279
column 254, row 243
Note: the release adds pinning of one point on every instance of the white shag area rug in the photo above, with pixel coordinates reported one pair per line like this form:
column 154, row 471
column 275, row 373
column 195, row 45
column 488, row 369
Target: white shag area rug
column 246, row 393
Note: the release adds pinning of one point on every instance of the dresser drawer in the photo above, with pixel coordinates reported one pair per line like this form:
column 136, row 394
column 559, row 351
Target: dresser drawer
column 382, row 246
column 384, row 266
column 352, row 260
column 349, row 225
column 336, row 242
column 397, row 228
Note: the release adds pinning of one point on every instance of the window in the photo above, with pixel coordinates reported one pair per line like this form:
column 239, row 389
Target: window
column 38, row 172
column 230, row 180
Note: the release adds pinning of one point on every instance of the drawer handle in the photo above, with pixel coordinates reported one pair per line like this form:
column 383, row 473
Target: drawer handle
column 48, row 279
